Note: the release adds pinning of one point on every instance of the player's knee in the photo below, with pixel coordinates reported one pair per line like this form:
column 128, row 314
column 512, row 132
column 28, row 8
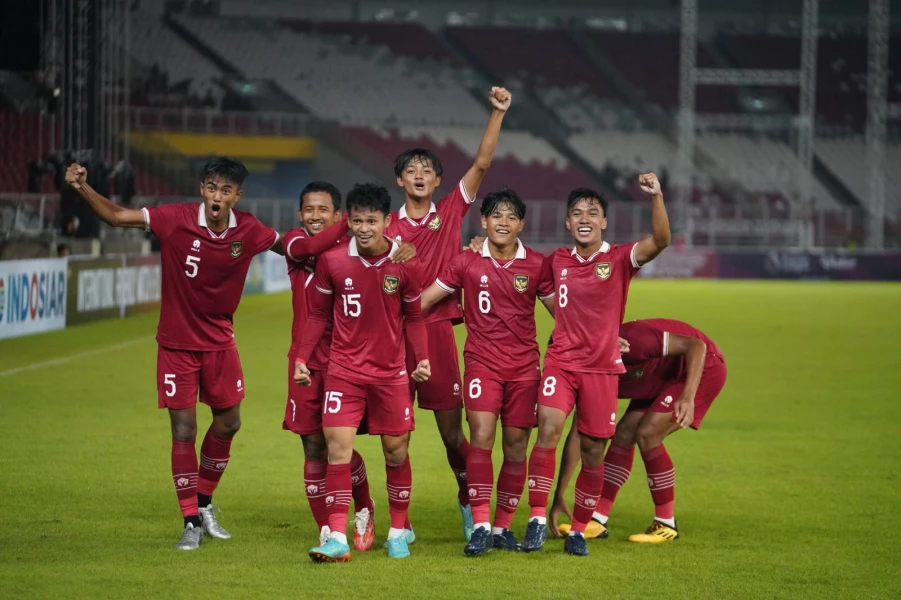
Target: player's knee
column 515, row 450
column 624, row 437
column 648, row 437
column 184, row 431
column 395, row 450
column 228, row 428
column 452, row 435
column 549, row 434
column 314, row 447
column 592, row 450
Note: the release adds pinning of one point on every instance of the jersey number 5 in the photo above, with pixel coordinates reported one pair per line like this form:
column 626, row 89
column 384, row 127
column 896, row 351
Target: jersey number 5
column 193, row 263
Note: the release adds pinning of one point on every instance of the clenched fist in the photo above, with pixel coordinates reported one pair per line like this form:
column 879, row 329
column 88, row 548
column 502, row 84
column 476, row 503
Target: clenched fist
column 649, row 184
column 76, row 175
column 500, row 98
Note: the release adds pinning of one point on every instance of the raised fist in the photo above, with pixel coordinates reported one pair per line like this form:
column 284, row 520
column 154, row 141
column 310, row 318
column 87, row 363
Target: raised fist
column 649, row 184
column 500, row 98
column 76, row 175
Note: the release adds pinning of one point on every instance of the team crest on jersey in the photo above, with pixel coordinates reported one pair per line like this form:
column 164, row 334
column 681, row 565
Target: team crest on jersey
column 602, row 270
column 390, row 284
column 236, row 248
column 520, row 283
column 435, row 223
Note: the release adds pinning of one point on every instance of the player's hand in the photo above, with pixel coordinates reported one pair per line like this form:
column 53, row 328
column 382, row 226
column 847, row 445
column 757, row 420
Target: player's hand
column 405, row 251
column 76, row 175
column 649, row 184
column 558, row 507
column 301, row 374
column 623, row 345
column 500, row 98
column 423, row 371
column 684, row 411
column 476, row 244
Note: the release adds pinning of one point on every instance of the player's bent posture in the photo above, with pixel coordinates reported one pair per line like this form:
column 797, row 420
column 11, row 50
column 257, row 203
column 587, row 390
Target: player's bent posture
column 581, row 365
column 500, row 285
column 375, row 305
column 674, row 372
column 322, row 227
column 206, row 252
column 435, row 230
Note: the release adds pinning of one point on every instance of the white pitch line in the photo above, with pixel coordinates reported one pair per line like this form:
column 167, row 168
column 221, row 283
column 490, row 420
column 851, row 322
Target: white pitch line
column 65, row 359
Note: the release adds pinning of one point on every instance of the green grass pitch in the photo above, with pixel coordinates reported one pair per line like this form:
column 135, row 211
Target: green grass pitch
column 789, row 490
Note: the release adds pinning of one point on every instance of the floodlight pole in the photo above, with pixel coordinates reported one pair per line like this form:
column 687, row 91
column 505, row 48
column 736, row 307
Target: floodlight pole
column 685, row 162
column 877, row 113
column 806, row 115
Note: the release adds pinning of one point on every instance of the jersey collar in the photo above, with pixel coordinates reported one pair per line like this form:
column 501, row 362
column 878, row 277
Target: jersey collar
column 520, row 251
column 353, row 251
column 402, row 214
column 605, row 247
column 201, row 220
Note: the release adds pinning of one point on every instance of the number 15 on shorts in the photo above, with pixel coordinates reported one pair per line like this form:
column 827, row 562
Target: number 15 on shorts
column 332, row 402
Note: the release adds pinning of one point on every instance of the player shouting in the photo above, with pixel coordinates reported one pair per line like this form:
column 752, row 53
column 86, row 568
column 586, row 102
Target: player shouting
column 581, row 365
column 206, row 252
column 435, row 231
column 502, row 373
column 375, row 306
column 674, row 372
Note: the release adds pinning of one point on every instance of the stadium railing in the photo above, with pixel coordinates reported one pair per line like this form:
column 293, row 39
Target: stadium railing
column 194, row 120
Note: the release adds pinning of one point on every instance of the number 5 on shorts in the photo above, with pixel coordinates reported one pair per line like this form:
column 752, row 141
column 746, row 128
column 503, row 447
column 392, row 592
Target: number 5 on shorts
column 333, row 398
column 169, row 382
column 550, row 386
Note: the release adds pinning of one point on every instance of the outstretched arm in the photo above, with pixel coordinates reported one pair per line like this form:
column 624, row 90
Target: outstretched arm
column 500, row 99
column 109, row 212
column 299, row 247
column 647, row 249
column 432, row 295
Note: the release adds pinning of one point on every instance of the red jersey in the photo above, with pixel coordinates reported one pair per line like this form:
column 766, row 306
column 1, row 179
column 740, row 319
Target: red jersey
column 437, row 240
column 591, row 304
column 500, row 308
column 648, row 368
column 370, row 299
column 203, row 273
column 301, row 252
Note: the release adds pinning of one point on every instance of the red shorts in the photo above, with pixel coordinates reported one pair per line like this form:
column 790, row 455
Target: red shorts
column 595, row 395
column 442, row 390
column 388, row 409
column 712, row 381
column 516, row 402
column 303, row 411
column 180, row 373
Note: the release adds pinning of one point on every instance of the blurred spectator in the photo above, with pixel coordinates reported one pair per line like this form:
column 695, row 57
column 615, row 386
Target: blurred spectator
column 62, row 250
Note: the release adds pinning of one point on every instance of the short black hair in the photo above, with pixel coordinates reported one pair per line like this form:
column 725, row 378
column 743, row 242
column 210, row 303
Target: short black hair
column 504, row 196
column 585, row 194
column 423, row 155
column 225, row 168
column 371, row 196
column 322, row 186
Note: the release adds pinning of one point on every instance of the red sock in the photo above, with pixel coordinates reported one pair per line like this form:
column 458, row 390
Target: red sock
column 360, row 483
column 661, row 480
column 399, row 481
column 542, row 466
column 214, row 455
column 617, row 467
column 480, row 480
column 588, row 490
column 456, row 458
column 314, row 486
column 509, row 491
column 337, row 498
column 184, row 476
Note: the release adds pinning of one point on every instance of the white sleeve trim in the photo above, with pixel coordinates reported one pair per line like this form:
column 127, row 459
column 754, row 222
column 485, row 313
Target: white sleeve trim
column 288, row 249
column 632, row 256
column 665, row 342
column 146, row 218
column 275, row 241
column 413, row 299
column 548, row 297
column 324, row 291
column 445, row 287
column 465, row 194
